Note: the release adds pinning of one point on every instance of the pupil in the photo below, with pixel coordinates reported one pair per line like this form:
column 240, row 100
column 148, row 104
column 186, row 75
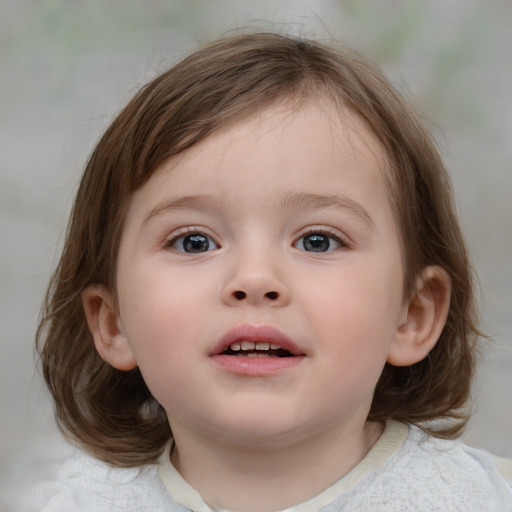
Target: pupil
column 195, row 243
column 316, row 243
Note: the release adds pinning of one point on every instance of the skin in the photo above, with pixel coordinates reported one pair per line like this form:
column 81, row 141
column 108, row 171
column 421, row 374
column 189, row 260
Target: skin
column 255, row 191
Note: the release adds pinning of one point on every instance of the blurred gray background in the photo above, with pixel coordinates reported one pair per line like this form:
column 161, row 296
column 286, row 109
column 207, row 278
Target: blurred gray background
column 67, row 67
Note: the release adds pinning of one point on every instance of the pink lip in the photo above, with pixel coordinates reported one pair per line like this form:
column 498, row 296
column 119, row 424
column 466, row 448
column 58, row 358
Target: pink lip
column 256, row 366
column 253, row 333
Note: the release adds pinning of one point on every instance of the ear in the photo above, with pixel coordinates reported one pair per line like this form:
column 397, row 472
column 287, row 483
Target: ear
column 423, row 318
column 103, row 321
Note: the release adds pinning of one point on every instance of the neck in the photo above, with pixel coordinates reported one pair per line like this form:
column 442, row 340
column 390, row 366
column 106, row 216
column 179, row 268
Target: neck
column 255, row 479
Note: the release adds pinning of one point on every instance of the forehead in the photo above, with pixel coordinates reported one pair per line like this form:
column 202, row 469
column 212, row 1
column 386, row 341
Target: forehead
column 290, row 134
column 279, row 153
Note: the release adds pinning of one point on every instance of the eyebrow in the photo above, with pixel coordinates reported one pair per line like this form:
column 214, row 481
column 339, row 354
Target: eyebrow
column 290, row 200
column 179, row 203
column 308, row 201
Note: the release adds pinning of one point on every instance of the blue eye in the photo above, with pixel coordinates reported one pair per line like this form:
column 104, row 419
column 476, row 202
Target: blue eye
column 318, row 242
column 193, row 243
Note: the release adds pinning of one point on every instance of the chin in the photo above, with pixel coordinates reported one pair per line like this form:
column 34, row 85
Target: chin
column 264, row 430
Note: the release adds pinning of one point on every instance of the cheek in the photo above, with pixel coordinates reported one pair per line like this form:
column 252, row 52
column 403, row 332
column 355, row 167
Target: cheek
column 357, row 312
column 153, row 315
column 368, row 291
column 157, row 333
column 155, row 295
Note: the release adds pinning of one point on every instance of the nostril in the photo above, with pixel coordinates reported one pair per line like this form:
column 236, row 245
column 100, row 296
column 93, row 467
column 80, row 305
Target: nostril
column 239, row 295
column 271, row 295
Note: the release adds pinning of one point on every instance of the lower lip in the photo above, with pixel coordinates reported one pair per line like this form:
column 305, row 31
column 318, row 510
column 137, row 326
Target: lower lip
column 256, row 366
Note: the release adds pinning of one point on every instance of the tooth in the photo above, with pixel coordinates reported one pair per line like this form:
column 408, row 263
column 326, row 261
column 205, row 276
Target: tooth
column 235, row 347
column 262, row 346
column 273, row 346
column 247, row 345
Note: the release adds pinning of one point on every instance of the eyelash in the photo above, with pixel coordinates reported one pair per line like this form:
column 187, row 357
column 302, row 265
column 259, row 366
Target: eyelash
column 191, row 231
column 330, row 234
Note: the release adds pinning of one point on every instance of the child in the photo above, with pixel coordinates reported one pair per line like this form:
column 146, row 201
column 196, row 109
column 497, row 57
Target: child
column 264, row 300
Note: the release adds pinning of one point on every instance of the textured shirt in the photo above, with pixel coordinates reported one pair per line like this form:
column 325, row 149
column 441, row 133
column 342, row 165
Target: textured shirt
column 406, row 470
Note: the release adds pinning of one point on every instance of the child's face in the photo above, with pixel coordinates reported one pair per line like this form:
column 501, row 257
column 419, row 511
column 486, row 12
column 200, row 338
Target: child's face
column 278, row 230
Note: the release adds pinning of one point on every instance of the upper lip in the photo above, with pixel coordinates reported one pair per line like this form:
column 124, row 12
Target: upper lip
column 260, row 333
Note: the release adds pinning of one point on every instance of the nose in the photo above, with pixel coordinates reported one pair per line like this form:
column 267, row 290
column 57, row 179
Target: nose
column 256, row 282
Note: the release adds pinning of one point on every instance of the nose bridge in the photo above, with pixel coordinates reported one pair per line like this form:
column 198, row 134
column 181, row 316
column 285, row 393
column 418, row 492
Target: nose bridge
column 257, row 276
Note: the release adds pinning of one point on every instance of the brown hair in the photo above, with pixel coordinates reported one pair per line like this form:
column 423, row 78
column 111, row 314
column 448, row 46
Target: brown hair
column 112, row 413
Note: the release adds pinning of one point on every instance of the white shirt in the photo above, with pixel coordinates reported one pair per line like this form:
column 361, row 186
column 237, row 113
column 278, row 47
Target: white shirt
column 405, row 470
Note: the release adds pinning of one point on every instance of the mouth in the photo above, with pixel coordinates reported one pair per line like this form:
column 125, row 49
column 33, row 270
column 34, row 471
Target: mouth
column 256, row 341
column 256, row 350
column 245, row 348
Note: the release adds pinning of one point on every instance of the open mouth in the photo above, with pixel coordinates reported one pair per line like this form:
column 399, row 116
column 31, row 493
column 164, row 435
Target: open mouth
column 256, row 349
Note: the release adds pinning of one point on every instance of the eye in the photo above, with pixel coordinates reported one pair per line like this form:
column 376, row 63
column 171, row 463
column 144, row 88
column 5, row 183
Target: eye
column 192, row 243
column 319, row 242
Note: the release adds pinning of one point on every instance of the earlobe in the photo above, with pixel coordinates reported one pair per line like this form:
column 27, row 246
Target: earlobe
column 423, row 319
column 103, row 321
